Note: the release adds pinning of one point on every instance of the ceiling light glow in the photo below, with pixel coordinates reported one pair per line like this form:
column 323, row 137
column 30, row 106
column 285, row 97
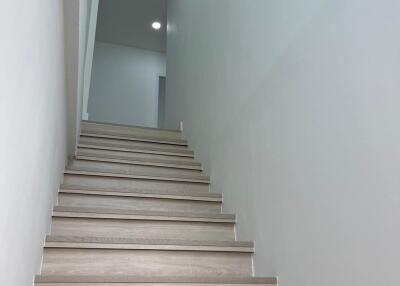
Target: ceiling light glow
column 156, row 25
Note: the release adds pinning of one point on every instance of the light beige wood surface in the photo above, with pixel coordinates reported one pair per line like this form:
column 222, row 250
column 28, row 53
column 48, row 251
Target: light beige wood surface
column 129, row 183
column 136, row 214
column 134, row 143
column 58, row 261
column 125, row 149
column 165, row 194
column 126, row 168
column 135, row 209
column 140, row 156
column 248, row 245
column 115, row 126
column 160, row 280
column 88, row 242
column 135, row 138
column 138, row 203
column 142, row 228
column 131, row 144
column 141, row 132
column 140, row 162
column 100, row 172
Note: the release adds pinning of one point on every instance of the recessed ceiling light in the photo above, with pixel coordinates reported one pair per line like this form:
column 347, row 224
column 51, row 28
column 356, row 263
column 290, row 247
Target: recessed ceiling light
column 156, row 25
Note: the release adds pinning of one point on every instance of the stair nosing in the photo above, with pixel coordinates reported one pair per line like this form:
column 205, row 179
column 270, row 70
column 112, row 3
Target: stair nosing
column 148, row 244
column 100, row 147
column 181, row 151
column 62, row 211
column 189, row 195
column 76, row 171
column 177, row 162
column 115, row 243
column 109, row 159
column 149, row 139
column 161, row 279
column 130, row 126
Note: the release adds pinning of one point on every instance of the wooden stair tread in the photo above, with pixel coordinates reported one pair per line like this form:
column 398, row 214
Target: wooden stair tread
column 147, row 244
column 101, row 173
column 134, row 137
column 135, row 202
column 134, row 145
column 63, row 211
column 153, row 279
column 100, row 151
column 136, row 150
column 178, row 195
column 141, row 162
column 133, row 127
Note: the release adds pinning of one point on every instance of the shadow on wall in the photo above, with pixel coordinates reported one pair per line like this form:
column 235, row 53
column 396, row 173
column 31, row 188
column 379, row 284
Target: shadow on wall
column 293, row 108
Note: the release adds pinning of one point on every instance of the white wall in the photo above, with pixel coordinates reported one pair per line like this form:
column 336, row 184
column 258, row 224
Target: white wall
column 124, row 86
column 33, row 126
column 293, row 106
column 78, row 53
column 73, row 31
column 91, row 24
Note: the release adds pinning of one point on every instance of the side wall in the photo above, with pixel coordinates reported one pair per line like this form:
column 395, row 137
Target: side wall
column 124, row 86
column 33, row 131
column 74, row 27
column 293, row 106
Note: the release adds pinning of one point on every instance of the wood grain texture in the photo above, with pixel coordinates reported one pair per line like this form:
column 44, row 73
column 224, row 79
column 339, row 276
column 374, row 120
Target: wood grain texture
column 171, row 194
column 149, row 229
column 136, row 175
column 130, row 183
column 148, row 241
column 133, row 144
column 129, row 131
column 88, row 242
column 135, row 209
column 140, row 214
column 138, row 203
column 140, row 162
column 142, row 156
column 156, row 280
column 59, row 261
column 135, row 138
column 124, row 149
column 127, row 168
column 115, row 126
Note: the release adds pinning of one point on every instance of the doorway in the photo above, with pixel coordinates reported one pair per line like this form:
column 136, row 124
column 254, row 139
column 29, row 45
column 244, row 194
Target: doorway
column 161, row 101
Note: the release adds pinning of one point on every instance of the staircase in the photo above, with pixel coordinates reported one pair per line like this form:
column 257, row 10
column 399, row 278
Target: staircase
column 135, row 209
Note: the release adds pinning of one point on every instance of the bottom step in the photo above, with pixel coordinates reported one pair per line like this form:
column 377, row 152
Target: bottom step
column 150, row 281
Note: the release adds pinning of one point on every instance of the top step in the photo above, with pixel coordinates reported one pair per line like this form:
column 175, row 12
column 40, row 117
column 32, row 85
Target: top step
column 118, row 130
column 154, row 281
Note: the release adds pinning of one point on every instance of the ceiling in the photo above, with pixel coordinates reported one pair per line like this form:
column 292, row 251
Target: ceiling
column 128, row 22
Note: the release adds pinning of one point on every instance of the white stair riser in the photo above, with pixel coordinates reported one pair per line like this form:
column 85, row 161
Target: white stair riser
column 146, row 263
column 142, row 229
column 137, row 203
column 129, row 168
